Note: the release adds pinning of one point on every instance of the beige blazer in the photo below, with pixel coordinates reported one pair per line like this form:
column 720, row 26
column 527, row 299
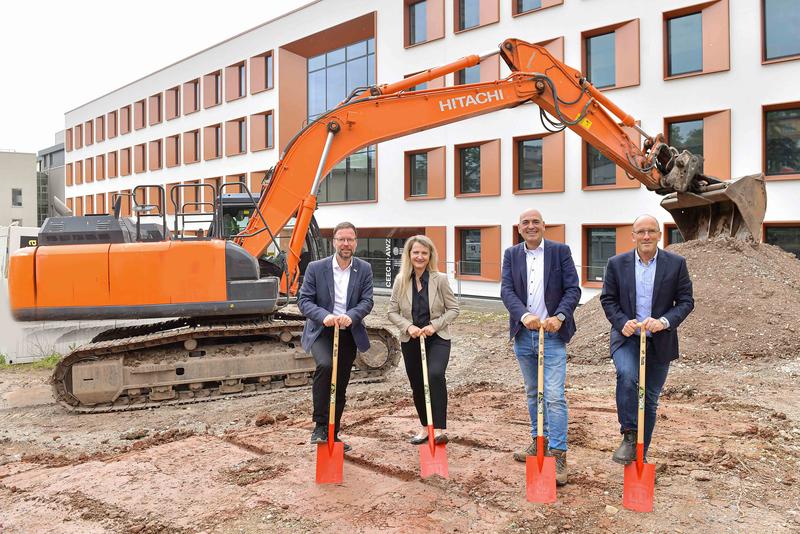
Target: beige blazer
column 442, row 302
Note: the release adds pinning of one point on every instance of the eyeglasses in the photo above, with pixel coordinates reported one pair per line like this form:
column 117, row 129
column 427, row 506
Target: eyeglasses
column 344, row 239
column 642, row 233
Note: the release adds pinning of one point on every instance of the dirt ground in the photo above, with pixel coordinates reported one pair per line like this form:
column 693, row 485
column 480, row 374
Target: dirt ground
column 727, row 451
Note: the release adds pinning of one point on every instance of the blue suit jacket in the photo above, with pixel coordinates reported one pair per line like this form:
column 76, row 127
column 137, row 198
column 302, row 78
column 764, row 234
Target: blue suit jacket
column 672, row 298
column 561, row 287
column 316, row 299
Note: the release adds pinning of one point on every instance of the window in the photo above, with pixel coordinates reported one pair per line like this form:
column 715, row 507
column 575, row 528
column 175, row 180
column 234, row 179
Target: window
column 100, row 128
column 111, row 159
column 139, row 115
column 235, row 81
column 154, row 151
column 79, row 136
column 88, row 129
column 261, row 72
column 16, row 198
column 125, row 120
column 191, row 96
column 418, row 166
column 523, row 6
column 685, row 36
column 139, row 158
column 88, row 170
column 68, row 139
column 687, row 135
column 601, row 244
column 112, row 124
column 261, row 131
column 782, row 140
column 173, row 103
column 468, row 75
column 469, row 169
column 674, row 235
column 470, row 263
column 787, row 237
column 125, row 162
column 100, row 167
column 191, row 147
column 417, row 23
column 212, row 141
column 468, row 14
column 697, row 39
column 352, row 179
column 173, row 150
column 781, row 20
column 212, row 89
column 599, row 169
column 331, row 77
column 529, row 164
column 236, row 137
column 155, row 109
column 600, row 60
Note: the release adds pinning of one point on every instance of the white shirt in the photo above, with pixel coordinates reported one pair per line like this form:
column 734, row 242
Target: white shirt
column 534, row 259
column 341, row 279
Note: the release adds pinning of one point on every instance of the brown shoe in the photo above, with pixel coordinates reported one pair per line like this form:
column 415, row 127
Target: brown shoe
column 530, row 450
column 561, row 466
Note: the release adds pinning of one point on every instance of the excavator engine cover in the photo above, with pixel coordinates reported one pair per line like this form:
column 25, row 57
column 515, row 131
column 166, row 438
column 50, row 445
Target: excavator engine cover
column 725, row 209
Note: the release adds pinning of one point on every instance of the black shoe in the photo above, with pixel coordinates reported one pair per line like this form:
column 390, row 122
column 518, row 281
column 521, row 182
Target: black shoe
column 626, row 452
column 319, row 435
column 346, row 446
column 441, row 439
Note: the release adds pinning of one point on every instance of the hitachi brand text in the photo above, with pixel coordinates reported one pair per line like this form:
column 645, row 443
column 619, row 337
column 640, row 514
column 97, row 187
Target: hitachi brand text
column 451, row 104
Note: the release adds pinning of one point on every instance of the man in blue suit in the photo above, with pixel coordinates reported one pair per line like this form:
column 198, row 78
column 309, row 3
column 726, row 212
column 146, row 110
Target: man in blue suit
column 336, row 290
column 540, row 287
column 652, row 287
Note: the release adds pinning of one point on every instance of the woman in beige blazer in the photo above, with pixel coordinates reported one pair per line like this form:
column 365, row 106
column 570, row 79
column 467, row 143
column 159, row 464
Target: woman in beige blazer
column 422, row 303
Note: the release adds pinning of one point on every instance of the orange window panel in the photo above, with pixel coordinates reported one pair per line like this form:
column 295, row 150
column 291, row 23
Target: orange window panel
column 191, row 96
column 88, row 170
column 78, row 132
column 68, row 139
column 78, row 172
column 154, row 151
column 173, row 150
column 172, row 103
column 88, row 132
column 100, row 167
column 139, row 158
column 100, row 128
column 111, row 124
column 154, row 109
column 68, row 174
column 100, row 203
column 88, row 205
column 124, row 120
column 139, row 115
column 111, row 159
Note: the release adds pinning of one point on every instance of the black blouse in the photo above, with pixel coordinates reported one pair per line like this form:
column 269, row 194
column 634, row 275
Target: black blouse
column 420, row 307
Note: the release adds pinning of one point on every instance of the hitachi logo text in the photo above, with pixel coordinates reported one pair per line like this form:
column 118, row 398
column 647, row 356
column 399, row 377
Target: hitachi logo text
column 485, row 97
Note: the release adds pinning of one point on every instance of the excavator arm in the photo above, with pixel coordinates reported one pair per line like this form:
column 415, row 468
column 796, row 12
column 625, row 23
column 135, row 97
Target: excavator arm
column 701, row 206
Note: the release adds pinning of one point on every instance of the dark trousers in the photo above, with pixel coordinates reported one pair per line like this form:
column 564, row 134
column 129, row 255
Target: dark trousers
column 322, row 351
column 626, row 360
column 438, row 354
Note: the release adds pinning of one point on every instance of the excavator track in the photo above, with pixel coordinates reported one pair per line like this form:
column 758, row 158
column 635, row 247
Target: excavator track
column 195, row 360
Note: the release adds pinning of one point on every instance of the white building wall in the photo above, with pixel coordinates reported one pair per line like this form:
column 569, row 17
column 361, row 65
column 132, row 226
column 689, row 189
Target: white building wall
column 17, row 171
column 744, row 89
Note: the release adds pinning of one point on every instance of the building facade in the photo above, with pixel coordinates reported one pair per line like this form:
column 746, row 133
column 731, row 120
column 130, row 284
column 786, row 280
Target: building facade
column 49, row 178
column 17, row 188
column 714, row 76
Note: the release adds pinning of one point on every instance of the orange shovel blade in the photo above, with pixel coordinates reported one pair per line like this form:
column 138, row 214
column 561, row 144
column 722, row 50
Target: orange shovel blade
column 433, row 462
column 540, row 482
column 330, row 463
column 638, row 488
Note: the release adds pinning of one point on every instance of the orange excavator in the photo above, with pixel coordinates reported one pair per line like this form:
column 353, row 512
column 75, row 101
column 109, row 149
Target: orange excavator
column 233, row 337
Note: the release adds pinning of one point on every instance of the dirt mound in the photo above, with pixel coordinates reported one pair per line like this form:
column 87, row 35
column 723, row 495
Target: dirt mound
column 747, row 301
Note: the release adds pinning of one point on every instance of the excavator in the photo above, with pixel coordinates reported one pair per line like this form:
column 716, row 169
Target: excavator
column 229, row 287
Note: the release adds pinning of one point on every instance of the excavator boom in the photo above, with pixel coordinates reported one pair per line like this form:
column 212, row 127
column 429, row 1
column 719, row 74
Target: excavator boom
column 701, row 206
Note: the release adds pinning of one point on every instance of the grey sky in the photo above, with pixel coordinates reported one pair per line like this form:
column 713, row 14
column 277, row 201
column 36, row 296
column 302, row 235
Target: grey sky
column 48, row 47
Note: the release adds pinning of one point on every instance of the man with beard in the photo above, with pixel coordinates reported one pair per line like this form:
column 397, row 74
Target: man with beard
column 336, row 290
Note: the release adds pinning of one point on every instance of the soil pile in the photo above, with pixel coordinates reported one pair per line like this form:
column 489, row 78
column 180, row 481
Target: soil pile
column 747, row 305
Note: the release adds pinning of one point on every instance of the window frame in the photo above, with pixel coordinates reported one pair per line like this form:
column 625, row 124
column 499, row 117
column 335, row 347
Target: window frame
column 778, row 224
column 764, row 59
column 460, row 168
column 411, row 175
column 764, row 110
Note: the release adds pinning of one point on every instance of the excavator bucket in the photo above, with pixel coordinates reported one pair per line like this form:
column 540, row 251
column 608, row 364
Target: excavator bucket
column 730, row 209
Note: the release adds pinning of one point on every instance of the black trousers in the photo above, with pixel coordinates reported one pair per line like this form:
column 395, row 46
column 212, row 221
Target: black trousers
column 322, row 351
column 438, row 354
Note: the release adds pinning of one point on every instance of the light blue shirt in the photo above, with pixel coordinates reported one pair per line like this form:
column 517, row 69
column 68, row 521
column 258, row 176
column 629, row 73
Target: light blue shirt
column 645, row 280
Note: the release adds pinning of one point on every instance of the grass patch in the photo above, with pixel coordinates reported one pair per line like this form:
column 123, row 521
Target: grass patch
column 48, row 362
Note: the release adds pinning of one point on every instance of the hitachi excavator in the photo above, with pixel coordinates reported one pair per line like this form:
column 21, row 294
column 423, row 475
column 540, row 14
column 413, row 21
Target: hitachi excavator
column 233, row 338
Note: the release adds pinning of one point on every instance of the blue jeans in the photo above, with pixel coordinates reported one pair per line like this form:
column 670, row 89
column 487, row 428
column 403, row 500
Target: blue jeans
column 526, row 347
column 626, row 360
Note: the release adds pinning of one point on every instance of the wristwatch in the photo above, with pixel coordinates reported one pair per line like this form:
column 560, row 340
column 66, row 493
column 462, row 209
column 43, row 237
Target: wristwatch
column 561, row 317
column 664, row 321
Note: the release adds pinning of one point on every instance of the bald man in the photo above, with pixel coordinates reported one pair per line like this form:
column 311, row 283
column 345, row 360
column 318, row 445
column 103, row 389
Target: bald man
column 540, row 287
column 652, row 287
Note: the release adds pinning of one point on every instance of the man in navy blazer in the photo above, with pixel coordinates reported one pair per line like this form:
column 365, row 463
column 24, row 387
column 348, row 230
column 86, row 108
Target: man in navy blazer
column 540, row 287
column 651, row 287
column 335, row 290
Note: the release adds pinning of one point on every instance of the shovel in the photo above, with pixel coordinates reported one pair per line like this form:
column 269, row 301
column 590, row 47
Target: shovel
column 330, row 455
column 540, row 471
column 640, row 478
column 432, row 457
